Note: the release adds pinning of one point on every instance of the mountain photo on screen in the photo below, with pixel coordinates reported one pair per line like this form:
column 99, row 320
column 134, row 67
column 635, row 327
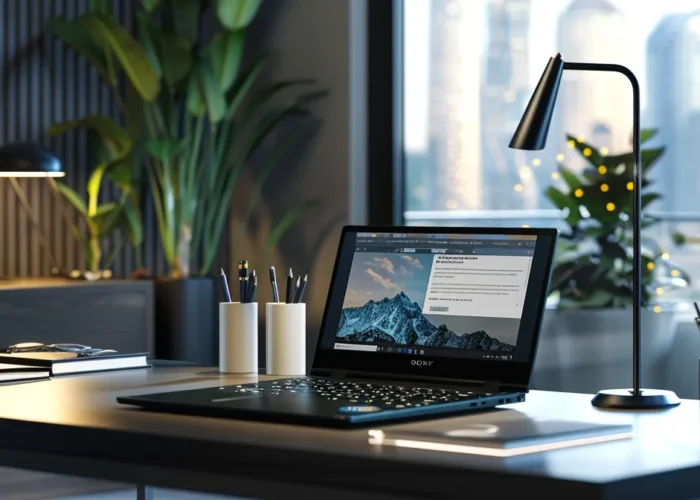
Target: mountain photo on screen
column 387, row 296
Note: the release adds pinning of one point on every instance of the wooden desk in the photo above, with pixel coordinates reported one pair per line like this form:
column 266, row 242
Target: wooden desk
column 74, row 426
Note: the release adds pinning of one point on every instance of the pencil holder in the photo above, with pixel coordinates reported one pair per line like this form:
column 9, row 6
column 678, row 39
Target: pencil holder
column 285, row 339
column 238, row 337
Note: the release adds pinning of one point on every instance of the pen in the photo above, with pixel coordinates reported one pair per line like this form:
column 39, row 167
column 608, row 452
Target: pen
column 249, row 289
column 273, row 281
column 253, row 288
column 295, row 299
column 243, row 279
column 224, row 286
column 697, row 318
column 290, row 287
column 302, row 289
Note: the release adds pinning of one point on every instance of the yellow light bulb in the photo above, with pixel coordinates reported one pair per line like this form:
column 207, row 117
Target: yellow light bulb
column 525, row 225
column 581, row 138
column 578, row 193
column 555, row 175
column 603, row 170
column 659, row 291
column 537, row 162
column 587, row 152
column 604, row 188
column 657, row 309
column 518, row 187
column 665, row 256
column 675, row 272
column 610, row 206
column 630, row 186
column 572, row 143
column 603, row 150
column 651, row 266
column 560, row 157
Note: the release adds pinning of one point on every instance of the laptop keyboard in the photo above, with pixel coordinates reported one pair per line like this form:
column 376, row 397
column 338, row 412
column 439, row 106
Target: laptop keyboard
column 384, row 395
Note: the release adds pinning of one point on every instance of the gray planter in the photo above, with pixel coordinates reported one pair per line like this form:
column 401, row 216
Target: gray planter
column 588, row 350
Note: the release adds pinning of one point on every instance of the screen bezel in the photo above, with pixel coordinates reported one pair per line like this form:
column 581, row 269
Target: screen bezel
column 516, row 373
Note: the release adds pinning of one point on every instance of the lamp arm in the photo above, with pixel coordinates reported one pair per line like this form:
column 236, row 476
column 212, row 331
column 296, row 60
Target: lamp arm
column 636, row 209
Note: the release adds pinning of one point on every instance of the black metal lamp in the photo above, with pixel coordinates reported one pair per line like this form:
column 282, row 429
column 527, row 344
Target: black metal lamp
column 30, row 160
column 531, row 134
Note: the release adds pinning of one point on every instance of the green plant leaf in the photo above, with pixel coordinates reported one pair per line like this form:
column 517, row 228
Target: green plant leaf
column 186, row 18
column 286, row 223
column 226, row 55
column 121, row 174
column 176, row 58
column 80, row 39
column 571, row 179
column 128, row 51
column 196, row 104
column 213, row 96
column 647, row 198
column 116, row 138
column 84, row 244
column 589, row 153
column 166, row 148
column 105, row 219
column 651, row 156
column 238, row 92
column 647, row 134
column 564, row 202
column 73, row 197
column 149, row 36
column 100, row 6
column 93, row 188
column 150, row 5
column 132, row 224
column 236, row 14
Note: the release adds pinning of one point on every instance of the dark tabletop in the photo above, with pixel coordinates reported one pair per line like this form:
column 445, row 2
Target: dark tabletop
column 73, row 425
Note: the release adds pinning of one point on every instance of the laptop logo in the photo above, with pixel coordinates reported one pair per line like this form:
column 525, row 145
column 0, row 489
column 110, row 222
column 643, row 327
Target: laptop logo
column 420, row 362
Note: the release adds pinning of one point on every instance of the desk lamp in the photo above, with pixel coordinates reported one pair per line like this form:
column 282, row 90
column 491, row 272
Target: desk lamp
column 29, row 160
column 531, row 135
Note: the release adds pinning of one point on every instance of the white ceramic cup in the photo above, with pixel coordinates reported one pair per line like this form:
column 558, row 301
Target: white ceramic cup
column 285, row 340
column 238, row 337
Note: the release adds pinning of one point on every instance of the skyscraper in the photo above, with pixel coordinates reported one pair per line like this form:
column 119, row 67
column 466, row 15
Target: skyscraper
column 594, row 106
column 673, row 66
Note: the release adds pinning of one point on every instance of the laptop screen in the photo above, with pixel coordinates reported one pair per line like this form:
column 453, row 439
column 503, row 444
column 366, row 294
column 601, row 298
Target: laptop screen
column 444, row 295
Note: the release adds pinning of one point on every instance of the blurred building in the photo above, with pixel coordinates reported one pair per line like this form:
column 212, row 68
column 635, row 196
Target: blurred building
column 673, row 69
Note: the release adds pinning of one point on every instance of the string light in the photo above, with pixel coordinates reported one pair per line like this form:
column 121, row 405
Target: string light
column 581, row 138
column 610, row 206
column 659, row 291
column 603, row 170
column 630, row 186
column 525, row 173
column 657, row 309
column 675, row 273
column 603, row 150
column 572, row 143
column 578, row 193
column 555, row 175
column 536, row 162
column 587, row 152
column 665, row 256
column 525, row 225
column 651, row 266
column 560, row 157
column 518, row 187
column 604, row 188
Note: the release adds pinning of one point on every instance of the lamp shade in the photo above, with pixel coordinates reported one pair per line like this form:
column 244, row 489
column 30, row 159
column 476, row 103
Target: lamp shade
column 28, row 160
column 531, row 133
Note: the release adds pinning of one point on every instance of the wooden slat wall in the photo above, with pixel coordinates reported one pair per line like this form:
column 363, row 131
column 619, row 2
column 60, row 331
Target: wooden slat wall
column 43, row 82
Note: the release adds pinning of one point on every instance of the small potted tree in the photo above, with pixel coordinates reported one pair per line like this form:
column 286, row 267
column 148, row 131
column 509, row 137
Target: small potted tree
column 586, row 338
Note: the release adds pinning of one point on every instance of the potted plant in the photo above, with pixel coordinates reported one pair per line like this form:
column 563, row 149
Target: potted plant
column 586, row 339
column 196, row 114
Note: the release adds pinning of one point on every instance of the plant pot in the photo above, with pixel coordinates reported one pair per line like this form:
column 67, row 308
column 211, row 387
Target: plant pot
column 185, row 312
column 588, row 350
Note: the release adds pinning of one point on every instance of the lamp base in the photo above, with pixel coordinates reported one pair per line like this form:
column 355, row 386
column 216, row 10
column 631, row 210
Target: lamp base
column 625, row 399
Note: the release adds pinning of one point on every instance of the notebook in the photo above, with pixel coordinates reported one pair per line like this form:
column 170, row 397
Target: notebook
column 13, row 373
column 504, row 438
column 66, row 363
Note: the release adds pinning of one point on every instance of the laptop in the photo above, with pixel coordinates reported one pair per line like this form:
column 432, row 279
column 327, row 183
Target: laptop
column 419, row 322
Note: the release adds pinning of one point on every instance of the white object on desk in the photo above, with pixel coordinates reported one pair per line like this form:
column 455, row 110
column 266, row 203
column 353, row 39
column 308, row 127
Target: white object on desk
column 238, row 337
column 285, row 339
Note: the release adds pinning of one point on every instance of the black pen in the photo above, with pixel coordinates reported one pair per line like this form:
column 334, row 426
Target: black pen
column 273, row 282
column 224, row 286
column 253, row 288
column 302, row 289
column 296, row 291
column 249, row 290
column 243, row 279
column 697, row 318
column 290, row 287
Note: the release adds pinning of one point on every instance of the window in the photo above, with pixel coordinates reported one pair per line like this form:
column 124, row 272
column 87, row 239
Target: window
column 469, row 67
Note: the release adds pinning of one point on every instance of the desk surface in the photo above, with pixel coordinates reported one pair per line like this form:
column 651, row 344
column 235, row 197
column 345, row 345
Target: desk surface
column 73, row 425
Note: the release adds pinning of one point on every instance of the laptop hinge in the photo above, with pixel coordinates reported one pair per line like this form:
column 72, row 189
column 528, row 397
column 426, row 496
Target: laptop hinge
column 339, row 374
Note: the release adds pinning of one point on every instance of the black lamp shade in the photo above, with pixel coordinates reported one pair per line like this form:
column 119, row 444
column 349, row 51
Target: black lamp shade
column 531, row 133
column 28, row 160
